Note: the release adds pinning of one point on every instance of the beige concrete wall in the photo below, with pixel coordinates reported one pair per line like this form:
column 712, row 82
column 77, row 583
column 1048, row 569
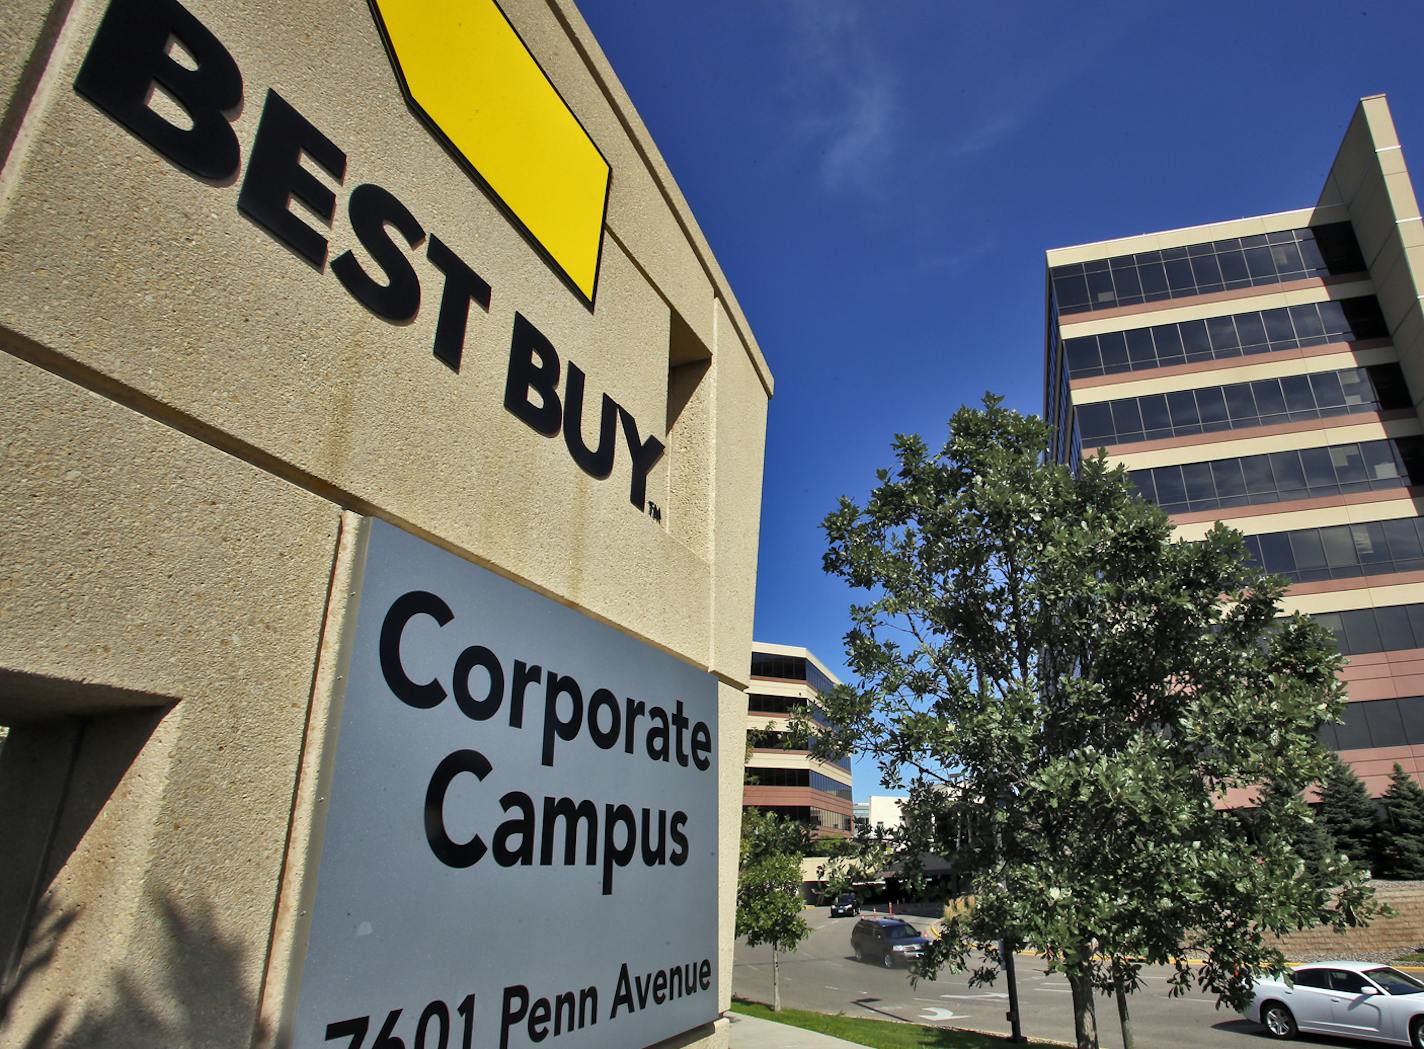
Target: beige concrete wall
column 191, row 409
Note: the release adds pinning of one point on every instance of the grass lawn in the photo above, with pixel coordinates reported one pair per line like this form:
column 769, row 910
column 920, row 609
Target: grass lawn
column 883, row 1034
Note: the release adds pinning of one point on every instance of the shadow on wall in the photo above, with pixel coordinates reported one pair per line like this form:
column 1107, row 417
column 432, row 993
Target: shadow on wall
column 77, row 814
column 127, row 1014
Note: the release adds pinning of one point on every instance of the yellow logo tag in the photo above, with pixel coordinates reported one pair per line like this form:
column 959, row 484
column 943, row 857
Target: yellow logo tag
column 465, row 70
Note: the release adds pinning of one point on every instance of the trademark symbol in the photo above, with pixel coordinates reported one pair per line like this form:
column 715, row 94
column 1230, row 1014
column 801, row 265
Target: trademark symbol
column 655, row 511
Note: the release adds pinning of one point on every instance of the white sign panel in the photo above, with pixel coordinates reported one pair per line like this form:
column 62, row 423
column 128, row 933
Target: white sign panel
column 520, row 845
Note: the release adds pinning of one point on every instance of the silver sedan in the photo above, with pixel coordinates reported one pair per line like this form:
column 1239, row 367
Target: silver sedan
column 1352, row 999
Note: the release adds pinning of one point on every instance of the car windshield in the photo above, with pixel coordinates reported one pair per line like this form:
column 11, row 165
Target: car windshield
column 1394, row 981
column 845, row 898
column 901, row 931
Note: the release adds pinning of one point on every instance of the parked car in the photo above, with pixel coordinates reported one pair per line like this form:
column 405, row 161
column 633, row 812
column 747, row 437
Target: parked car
column 1363, row 1000
column 845, row 906
column 889, row 941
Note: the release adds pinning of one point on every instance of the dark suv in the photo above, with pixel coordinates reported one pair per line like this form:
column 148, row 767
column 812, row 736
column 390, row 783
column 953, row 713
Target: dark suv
column 844, row 906
column 887, row 940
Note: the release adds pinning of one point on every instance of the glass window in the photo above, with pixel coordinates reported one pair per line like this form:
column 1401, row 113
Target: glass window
column 1140, row 350
column 1222, row 333
column 1230, row 485
column 1370, row 543
column 1331, row 622
column 1311, row 978
column 1241, row 404
column 1339, row 547
column 1290, row 474
column 1326, row 387
column 1390, row 389
column 1307, row 324
column 1402, row 539
column 1195, row 340
column 1299, row 400
column 1113, row 348
column 1332, row 317
column 1380, row 464
column 1392, row 621
column 1349, row 466
column 1278, row 327
column 1270, row 401
column 1180, row 277
column 1259, row 483
column 1127, row 420
column 1361, row 632
column 1211, row 406
column 1347, row 982
column 1171, row 491
column 1152, row 276
column 1277, row 555
column 1100, row 290
column 1155, row 419
column 1183, row 407
column 1168, row 341
column 1233, row 268
column 1095, row 422
column 1386, row 726
column 1083, row 356
column 1319, row 469
column 1307, row 551
column 1416, row 623
column 1393, row 981
column 1251, row 330
column 1200, row 488
column 1353, row 732
column 1411, row 712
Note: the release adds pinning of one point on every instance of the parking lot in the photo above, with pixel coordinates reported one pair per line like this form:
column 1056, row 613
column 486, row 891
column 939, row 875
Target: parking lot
column 823, row 975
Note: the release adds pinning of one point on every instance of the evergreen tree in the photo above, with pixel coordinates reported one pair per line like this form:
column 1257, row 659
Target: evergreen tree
column 1283, row 811
column 1348, row 814
column 1402, row 850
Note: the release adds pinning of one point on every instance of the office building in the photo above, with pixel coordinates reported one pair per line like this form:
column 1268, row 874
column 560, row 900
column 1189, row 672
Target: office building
column 782, row 776
column 1268, row 372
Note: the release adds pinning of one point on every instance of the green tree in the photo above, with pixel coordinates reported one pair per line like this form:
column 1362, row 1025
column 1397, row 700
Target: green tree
column 1403, row 847
column 769, row 889
column 1348, row 812
column 1069, row 692
column 1282, row 810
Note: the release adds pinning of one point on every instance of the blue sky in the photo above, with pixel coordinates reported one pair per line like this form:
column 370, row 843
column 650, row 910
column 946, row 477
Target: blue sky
column 879, row 181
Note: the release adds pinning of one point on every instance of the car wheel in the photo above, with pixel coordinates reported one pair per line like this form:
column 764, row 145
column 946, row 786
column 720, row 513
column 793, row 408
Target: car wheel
column 888, row 960
column 859, row 953
column 1416, row 1032
column 1279, row 1021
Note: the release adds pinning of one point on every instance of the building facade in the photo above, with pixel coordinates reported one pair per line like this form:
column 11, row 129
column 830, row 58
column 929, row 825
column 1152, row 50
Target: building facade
column 781, row 777
column 1268, row 372
column 380, row 462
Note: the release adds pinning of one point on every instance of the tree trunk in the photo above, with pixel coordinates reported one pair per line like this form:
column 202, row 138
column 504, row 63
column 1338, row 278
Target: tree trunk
column 1085, row 1020
column 1122, row 1016
column 775, row 981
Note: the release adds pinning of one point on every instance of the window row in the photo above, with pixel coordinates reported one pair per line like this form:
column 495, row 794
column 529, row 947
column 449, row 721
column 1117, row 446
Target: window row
column 792, row 668
column 1377, row 723
column 1282, row 476
column 1386, row 629
column 763, row 704
column 1199, row 269
column 1218, row 338
column 771, row 739
column 1263, row 402
column 1342, row 551
column 810, row 816
column 760, row 777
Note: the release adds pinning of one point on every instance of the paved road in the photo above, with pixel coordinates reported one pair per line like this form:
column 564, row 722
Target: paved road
column 824, row 976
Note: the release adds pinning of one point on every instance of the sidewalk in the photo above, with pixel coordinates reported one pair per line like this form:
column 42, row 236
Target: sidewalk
column 749, row 1032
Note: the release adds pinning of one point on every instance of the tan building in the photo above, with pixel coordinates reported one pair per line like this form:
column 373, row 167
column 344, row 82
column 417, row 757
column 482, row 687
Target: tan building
column 373, row 405
column 781, row 778
column 1268, row 372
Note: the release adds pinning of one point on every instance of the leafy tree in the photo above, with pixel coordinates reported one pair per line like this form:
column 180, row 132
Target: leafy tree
column 1403, row 847
column 1348, row 812
column 1069, row 693
column 769, row 889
